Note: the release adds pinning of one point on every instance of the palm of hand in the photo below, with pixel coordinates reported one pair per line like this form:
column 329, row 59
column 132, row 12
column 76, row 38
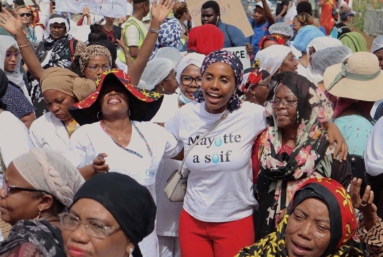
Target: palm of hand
column 160, row 12
column 13, row 25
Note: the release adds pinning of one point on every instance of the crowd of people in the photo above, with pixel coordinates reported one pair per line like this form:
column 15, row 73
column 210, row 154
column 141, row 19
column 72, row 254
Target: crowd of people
column 150, row 138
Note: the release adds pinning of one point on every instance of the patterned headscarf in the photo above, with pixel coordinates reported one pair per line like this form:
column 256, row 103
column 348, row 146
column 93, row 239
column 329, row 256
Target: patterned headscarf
column 86, row 53
column 235, row 63
column 343, row 222
column 169, row 36
column 252, row 78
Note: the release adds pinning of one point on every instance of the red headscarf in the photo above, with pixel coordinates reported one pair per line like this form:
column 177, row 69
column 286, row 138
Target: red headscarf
column 205, row 39
column 277, row 39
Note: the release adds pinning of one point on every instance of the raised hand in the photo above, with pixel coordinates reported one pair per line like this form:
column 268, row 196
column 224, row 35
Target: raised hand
column 10, row 23
column 161, row 9
column 86, row 11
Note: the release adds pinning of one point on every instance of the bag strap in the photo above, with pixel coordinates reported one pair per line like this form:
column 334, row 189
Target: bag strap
column 231, row 41
column 224, row 116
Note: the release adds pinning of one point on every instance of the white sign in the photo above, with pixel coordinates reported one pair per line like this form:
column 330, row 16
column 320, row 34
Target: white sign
column 240, row 52
column 109, row 8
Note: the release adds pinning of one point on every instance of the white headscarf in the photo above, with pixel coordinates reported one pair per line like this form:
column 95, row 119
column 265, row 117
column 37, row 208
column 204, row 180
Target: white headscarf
column 319, row 43
column 156, row 71
column 189, row 59
column 373, row 154
column 377, row 44
column 15, row 77
column 272, row 57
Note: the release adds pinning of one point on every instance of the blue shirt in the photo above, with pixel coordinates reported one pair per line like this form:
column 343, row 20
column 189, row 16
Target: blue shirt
column 233, row 35
column 16, row 102
column 260, row 30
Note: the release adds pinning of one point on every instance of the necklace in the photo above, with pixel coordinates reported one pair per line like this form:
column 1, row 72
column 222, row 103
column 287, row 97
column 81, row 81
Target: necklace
column 118, row 136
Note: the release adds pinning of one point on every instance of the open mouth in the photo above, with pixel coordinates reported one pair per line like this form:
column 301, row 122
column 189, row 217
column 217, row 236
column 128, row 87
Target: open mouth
column 213, row 97
column 300, row 249
column 114, row 101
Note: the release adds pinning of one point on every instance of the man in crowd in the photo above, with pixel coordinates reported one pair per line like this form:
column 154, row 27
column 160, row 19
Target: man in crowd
column 281, row 10
column 134, row 30
column 210, row 14
column 262, row 19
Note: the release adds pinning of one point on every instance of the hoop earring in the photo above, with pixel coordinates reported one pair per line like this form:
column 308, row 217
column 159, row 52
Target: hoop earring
column 100, row 114
column 163, row 90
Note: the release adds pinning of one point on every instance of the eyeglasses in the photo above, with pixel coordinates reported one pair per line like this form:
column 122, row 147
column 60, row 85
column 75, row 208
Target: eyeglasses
column 96, row 67
column 28, row 14
column 56, row 27
column 187, row 80
column 9, row 55
column 288, row 104
column 7, row 189
column 93, row 228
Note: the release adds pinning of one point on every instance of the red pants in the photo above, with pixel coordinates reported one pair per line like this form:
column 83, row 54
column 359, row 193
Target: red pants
column 214, row 239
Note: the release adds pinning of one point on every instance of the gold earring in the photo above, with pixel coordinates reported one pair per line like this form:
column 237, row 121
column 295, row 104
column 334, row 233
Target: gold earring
column 38, row 215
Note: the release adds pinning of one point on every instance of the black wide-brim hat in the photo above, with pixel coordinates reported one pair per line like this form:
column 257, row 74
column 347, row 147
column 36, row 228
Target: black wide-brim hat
column 143, row 104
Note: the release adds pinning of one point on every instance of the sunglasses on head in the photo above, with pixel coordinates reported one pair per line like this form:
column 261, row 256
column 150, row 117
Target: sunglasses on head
column 28, row 14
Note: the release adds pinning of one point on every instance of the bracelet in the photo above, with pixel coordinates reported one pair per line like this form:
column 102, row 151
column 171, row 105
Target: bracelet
column 23, row 46
column 157, row 31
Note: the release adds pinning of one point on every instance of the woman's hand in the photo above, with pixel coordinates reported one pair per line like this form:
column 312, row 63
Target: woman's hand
column 366, row 204
column 121, row 20
column 161, row 10
column 99, row 164
column 10, row 23
column 86, row 12
column 335, row 136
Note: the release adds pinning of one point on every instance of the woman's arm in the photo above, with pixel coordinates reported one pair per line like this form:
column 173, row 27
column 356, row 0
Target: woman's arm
column 121, row 43
column 335, row 136
column 160, row 12
column 267, row 13
column 14, row 26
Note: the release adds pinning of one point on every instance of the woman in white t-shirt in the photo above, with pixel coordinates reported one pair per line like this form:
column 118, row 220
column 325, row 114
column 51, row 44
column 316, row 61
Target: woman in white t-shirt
column 216, row 219
column 115, row 138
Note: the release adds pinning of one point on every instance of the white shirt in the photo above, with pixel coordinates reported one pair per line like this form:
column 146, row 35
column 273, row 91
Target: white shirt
column 220, row 181
column 373, row 154
column 14, row 139
column 168, row 109
column 50, row 133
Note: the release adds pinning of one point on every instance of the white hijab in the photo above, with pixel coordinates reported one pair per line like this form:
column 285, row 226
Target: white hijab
column 319, row 43
column 272, row 57
column 189, row 59
column 16, row 77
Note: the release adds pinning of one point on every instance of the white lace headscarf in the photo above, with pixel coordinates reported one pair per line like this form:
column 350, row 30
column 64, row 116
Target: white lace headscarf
column 49, row 171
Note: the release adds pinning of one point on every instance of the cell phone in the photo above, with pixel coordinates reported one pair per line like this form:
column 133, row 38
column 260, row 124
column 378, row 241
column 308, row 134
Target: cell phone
column 100, row 157
column 358, row 170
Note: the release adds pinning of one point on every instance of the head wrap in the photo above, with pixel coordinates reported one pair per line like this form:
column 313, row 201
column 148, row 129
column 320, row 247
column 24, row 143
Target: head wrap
column 343, row 222
column 48, row 171
column 276, row 39
column 109, row 45
column 3, row 86
column 86, row 53
column 57, row 18
column 205, row 39
column 15, row 77
column 235, row 63
column 304, row 37
column 189, row 59
column 271, row 58
column 155, row 71
column 281, row 28
column 170, row 34
column 319, row 43
column 252, row 78
column 130, row 203
column 170, row 53
column 67, row 82
column 355, row 41
column 377, row 44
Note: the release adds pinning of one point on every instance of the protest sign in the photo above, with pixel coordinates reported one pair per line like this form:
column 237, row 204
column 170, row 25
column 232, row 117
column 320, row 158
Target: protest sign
column 240, row 52
column 232, row 12
column 109, row 8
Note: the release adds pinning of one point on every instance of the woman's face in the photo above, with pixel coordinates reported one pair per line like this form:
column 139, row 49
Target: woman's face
column 308, row 229
column 169, row 85
column 114, row 101
column 285, row 107
column 379, row 54
column 296, row 25
column 18, row 204
column 58, row 103
column 78, row 243
column 26, row 15
column 218, row 86
column 258, row 94
column 190, row 81
column 11, row 58
column 312, row 51
column 96, row 66
column 290, row 64
column 58, row 30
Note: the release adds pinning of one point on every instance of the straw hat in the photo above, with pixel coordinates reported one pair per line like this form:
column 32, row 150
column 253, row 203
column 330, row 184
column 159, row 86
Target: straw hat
column 359, row 78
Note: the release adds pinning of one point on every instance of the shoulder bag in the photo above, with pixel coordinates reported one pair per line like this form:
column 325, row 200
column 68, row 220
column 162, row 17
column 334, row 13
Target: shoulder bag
column 175, row 189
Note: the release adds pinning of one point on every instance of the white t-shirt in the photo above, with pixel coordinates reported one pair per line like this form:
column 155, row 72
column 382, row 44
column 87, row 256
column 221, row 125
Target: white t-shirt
column 220, row 181
column 168, row 108
column 14, row 139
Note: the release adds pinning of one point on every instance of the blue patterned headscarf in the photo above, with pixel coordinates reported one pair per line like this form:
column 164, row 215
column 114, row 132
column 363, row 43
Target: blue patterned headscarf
column 169, row 36
column 235, row 63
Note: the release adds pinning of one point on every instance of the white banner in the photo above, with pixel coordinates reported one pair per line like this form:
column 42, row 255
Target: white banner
column 109, row 8
column 240, row 52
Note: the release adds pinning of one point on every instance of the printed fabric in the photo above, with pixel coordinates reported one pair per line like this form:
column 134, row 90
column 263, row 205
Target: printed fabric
column 33, row 238
column 343, row 222
column 281, row 171
column 372, row 238
column 169, row 36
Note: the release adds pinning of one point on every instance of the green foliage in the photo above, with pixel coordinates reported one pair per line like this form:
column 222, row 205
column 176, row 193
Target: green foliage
column 361, row 6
